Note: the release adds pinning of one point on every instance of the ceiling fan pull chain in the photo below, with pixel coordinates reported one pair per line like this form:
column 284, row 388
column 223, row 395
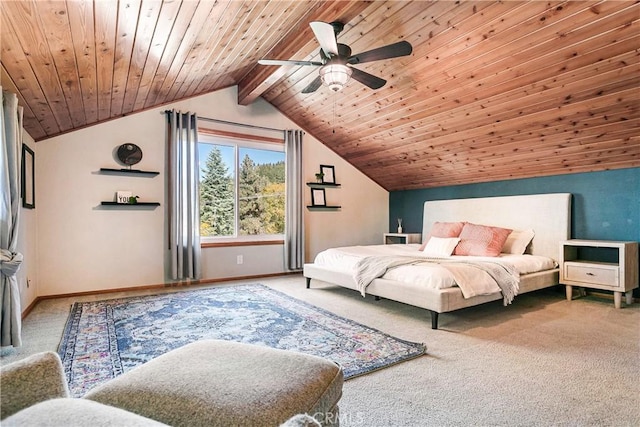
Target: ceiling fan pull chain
column 334, row 112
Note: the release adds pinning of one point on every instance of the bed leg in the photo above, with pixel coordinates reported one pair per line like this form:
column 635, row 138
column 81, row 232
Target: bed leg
column 434, row 320
column 308, row 282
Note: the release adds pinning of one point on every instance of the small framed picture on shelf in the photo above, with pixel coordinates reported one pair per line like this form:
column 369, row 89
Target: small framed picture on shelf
column 328, row 174
column 317, row 197
column 123, row 196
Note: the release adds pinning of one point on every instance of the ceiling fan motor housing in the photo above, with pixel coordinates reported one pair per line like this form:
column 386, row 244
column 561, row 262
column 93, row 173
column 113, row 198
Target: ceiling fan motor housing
column 337, row 27
column 344, row 52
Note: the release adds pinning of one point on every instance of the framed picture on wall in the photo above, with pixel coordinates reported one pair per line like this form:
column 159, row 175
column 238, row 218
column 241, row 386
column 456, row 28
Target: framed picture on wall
column 328, row 174
column 28, row 191
column 318, row 197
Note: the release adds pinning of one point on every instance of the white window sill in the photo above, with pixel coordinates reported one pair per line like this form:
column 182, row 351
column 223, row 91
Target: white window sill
column 277, row 239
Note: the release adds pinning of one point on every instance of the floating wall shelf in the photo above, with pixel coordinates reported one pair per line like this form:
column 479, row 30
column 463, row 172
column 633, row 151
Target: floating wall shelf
column 322, row 185
column 110, row 171
column 324, row 208
column 130, row 205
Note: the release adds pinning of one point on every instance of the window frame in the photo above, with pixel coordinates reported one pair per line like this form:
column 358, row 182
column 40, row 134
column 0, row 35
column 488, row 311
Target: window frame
column 239, row 141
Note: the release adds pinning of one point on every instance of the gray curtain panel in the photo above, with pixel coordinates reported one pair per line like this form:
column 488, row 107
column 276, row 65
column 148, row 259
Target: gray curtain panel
column 10, row 260
column 183, row 185
column 294, row 219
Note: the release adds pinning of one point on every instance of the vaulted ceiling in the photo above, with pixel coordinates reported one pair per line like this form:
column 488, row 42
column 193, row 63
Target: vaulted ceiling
column 493, row 90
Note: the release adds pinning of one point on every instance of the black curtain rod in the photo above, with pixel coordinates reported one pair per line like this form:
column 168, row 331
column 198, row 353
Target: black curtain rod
column 207, row 119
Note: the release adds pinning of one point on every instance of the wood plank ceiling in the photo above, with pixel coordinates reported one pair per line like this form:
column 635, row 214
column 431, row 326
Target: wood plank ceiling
column 493, row 90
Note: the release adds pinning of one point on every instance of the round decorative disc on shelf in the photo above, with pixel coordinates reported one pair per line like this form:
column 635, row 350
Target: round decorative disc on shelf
column 129, row 154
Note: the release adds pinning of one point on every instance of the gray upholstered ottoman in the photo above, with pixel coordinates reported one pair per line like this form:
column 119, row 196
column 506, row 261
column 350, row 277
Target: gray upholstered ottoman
column 223, row 383
column 76, row 412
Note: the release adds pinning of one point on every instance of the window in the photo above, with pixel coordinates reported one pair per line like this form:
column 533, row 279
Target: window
column 242, row 188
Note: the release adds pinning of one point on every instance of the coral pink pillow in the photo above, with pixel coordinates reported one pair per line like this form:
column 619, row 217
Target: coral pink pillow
column 443, row 229
column 481, row 240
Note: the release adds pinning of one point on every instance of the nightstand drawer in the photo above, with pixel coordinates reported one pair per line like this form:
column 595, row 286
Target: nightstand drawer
column 591, row 273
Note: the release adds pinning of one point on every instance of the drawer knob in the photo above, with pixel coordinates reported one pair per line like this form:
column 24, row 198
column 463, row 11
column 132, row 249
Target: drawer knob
column 590, row 274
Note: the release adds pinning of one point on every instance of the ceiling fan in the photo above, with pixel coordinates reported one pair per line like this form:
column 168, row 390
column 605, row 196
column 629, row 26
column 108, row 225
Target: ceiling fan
column 336, row 59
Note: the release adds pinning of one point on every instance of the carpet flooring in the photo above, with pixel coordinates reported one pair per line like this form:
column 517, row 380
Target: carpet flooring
column 541, row 361
column 104, row 339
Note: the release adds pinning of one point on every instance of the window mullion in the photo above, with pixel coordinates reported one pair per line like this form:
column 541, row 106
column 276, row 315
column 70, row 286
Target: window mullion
column 237, row 191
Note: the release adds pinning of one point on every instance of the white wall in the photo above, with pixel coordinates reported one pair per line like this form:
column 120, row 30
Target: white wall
column 364, row 216
column 84, row 247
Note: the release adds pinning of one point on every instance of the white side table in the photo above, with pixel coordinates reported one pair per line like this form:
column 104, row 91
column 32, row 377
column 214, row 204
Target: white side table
column 401, row 238
column 620, row 276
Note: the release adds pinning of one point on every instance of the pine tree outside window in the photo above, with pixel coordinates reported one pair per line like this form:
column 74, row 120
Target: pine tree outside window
column 242, row 190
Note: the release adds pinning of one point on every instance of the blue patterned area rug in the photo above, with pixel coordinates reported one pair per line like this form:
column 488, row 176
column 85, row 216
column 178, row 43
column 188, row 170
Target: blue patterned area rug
column 103, row 339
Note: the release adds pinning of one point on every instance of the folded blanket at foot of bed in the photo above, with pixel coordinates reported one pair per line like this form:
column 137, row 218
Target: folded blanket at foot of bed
column 464, row 272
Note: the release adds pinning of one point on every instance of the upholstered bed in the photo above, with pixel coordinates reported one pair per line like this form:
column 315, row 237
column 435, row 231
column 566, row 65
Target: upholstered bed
column 548, row 215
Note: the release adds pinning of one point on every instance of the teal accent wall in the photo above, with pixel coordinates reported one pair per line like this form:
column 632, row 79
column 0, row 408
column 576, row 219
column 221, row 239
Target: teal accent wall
column 605, row 205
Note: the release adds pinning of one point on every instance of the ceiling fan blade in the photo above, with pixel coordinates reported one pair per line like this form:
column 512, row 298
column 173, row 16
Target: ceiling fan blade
column 394, row 50
column 367, row 79
column 286, row 62
column 326, row 37
column 313, row 86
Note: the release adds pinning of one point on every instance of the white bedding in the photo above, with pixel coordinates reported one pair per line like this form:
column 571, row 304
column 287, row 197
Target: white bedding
column 426, row 274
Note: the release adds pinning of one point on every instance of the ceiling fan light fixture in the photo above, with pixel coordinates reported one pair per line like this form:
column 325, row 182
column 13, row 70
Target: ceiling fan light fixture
column 335, row 76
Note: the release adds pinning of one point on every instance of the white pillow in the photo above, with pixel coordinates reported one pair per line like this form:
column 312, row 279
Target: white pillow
column 518, row 241
column 439, row 247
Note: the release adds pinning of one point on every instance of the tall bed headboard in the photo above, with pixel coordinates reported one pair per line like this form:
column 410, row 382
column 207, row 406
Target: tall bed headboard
column 549, row 215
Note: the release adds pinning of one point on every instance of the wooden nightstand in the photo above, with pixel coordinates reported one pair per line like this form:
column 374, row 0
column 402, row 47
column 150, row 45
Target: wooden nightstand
column 619, row 276
column 402, row 238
